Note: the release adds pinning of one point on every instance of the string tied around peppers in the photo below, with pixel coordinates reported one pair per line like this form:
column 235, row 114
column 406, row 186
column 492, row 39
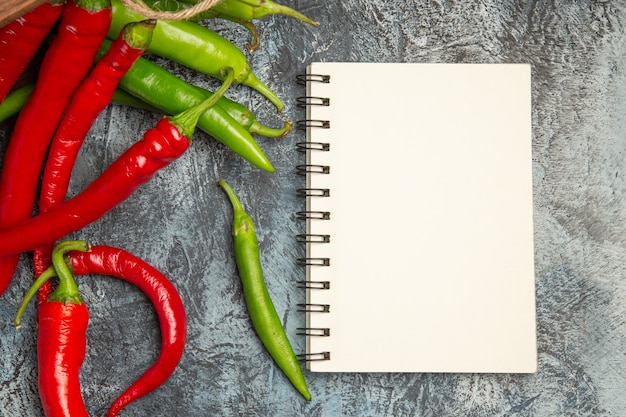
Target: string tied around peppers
column 262, row 312
column 160, row 146
column 138, row 6
column 61, row 337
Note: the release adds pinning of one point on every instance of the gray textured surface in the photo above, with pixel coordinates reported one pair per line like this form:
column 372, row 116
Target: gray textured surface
column 180, row 222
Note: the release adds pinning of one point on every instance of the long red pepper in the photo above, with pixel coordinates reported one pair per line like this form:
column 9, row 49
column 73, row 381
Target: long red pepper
column 107, row 260
column 118, row 263
column 20, row 39
column 160, row 146
column 61, row 338
column 83, row 26
column 91, row 97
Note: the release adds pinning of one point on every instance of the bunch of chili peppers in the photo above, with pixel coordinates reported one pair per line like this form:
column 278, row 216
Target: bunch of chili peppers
column 92, row 56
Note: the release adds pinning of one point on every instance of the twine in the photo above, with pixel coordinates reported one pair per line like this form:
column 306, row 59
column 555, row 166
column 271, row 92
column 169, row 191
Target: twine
column 140, row 7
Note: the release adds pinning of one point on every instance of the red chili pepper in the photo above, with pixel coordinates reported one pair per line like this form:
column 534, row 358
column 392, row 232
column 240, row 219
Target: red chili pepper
column 83, row 27
column 61, row 345
column 118, row 263
column 159, row 147
column 61, row 338
column 91, row 97
column 107, row 260
column 20, row 39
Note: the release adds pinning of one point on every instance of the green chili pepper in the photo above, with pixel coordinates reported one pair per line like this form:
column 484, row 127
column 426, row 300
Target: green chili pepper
column 196, row 47
column 238, row 11
column 254, row 9
column 260, row 306
column 177, row 6
column 160, row 88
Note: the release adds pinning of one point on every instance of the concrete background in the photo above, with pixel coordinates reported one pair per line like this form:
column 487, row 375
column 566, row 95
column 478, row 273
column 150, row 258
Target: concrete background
column 180, row 222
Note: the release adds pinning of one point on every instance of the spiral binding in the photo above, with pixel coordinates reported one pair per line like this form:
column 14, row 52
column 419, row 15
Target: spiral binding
column 303, row 79
column 317, row 215
column 313, row 146
column 317, row 285
column 309, row 238
column 321, row 356
column 307, row 123
column 306, row 101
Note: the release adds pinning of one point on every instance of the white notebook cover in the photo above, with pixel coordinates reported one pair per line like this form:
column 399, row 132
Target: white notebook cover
column 431, row 260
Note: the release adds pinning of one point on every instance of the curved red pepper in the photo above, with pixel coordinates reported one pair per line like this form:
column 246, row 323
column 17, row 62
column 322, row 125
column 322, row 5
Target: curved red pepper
column 20, row 39
column 64, row 65
column 107, row 260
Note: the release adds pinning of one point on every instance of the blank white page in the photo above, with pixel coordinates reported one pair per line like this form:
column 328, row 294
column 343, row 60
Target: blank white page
column 431, row 260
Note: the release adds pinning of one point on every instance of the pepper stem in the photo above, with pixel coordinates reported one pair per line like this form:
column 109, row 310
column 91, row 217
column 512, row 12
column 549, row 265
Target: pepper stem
column 261, row 8
column 93, row 5
column 270, row 132
column 186, row 121
column 67, row 290
column 234, row 200
column 242, row 222
column 138, row 35
column 45, row 276
column 254, row 82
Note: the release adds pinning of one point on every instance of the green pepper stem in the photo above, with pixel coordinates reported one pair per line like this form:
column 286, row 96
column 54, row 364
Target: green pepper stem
column 270, row 132
column 187, row 120
column 139, row 34
column 254, row 32
column 254, row 82
column 261, row 8
column 67, row 290
column 93, row 5
column 45, row 276
column 234, row 200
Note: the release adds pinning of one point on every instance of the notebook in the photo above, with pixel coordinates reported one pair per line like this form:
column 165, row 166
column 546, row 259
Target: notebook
column 419, row 218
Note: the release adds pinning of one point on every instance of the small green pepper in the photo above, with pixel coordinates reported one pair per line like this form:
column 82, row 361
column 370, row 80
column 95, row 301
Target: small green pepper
column 260, row 306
